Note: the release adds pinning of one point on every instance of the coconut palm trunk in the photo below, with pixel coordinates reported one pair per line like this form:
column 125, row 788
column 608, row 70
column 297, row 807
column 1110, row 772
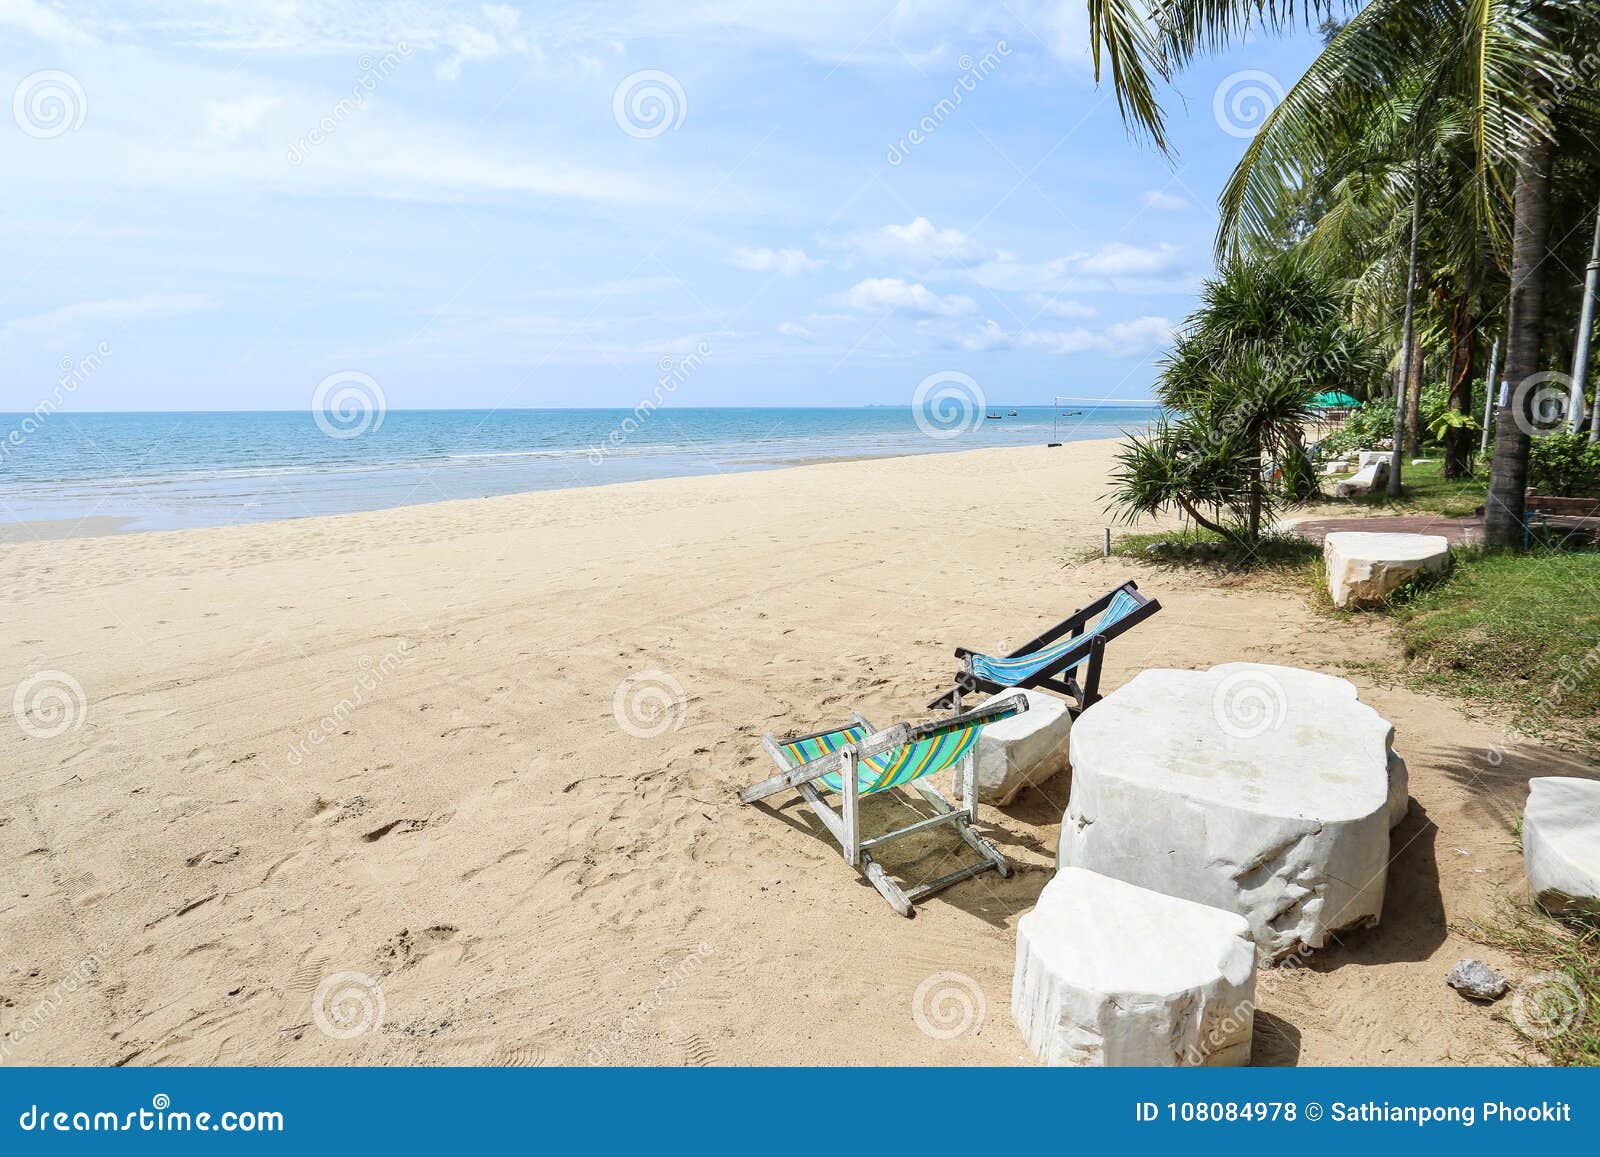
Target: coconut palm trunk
column 1463, row 356
column 1508, row 479
column 1407, row 343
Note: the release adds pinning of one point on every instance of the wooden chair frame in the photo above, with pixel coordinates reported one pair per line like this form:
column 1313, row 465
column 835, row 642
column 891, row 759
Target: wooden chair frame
column 1054, row 677
column 844, row 824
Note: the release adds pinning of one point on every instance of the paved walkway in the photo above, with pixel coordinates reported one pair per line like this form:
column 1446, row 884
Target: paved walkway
column 1460, row 531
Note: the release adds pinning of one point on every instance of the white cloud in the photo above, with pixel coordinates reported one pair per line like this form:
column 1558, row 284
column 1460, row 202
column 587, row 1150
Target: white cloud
column 877, row 293
column 1064, row 307
column 787, row 262
column 1120, row 260
column 795, row 330
column 988, row 336
column 231, row 118
column 109, row 312
column 1116, row 267
column 918, row 245
column 1141, row 335
column 1164, row 201
column 1133, row 338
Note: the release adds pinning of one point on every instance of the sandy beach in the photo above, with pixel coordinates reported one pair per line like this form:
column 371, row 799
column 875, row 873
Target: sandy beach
column 389, row 744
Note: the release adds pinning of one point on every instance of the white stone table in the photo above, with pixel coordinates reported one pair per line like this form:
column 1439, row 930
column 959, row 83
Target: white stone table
column 1363, row 567
column 1561, row 843
column 1111, row 974
column 1266, row 791
column 1025, row 749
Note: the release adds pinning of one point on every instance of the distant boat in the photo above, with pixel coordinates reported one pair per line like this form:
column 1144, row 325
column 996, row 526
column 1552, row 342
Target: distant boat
column 1011, row 413
column 992, row 417
column 1070, row 413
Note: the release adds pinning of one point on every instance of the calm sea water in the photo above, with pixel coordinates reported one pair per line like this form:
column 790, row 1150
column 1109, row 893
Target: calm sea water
column 162, row 471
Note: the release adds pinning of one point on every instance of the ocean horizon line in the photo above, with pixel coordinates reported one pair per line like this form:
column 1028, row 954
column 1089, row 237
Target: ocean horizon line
column 1102, row 404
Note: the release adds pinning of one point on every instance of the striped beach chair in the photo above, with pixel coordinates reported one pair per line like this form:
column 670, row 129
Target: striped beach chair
column 1050, row 661
column 859, row 760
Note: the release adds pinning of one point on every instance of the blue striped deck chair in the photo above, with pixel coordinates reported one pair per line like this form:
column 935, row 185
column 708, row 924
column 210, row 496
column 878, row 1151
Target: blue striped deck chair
column 1051, row 661
column 858, row 760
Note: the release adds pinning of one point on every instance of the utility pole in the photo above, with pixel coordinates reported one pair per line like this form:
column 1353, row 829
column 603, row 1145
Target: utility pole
column 1490, row 386
column 1580, row 356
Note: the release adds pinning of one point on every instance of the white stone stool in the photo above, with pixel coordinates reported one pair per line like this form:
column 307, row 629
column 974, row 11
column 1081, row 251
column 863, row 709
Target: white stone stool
column 1025, row 749
column 1561, row 843
column 1113, row 974
column 1364, row 567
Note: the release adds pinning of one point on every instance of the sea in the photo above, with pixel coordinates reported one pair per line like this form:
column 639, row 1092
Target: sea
column 160, row 471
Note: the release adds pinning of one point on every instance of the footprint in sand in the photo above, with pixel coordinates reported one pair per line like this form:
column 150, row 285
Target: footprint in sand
column 518, row 1057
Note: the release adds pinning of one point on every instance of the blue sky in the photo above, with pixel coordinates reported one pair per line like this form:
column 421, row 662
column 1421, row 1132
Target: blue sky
column 219, row 205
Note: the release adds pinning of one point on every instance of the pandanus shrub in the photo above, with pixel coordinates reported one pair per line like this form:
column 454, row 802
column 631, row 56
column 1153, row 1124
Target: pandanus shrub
column 1230, row 451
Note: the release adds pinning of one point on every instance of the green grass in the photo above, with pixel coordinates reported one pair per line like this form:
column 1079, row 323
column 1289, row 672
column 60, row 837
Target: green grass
column 1201, row 549
column 1517, row 630
column 1427, row 491
column 1563, row 957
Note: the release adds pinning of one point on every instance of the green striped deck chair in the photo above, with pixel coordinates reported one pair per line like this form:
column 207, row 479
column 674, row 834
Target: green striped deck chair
column 1052, row 660
column 859, row 760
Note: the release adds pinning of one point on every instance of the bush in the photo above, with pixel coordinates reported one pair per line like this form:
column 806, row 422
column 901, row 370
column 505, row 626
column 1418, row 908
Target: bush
column 1364, row 429
column 1565, row 465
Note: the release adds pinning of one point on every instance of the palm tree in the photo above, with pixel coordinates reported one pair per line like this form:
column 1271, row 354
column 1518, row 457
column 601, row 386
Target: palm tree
column 1270, row 334
column 1502, row 58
